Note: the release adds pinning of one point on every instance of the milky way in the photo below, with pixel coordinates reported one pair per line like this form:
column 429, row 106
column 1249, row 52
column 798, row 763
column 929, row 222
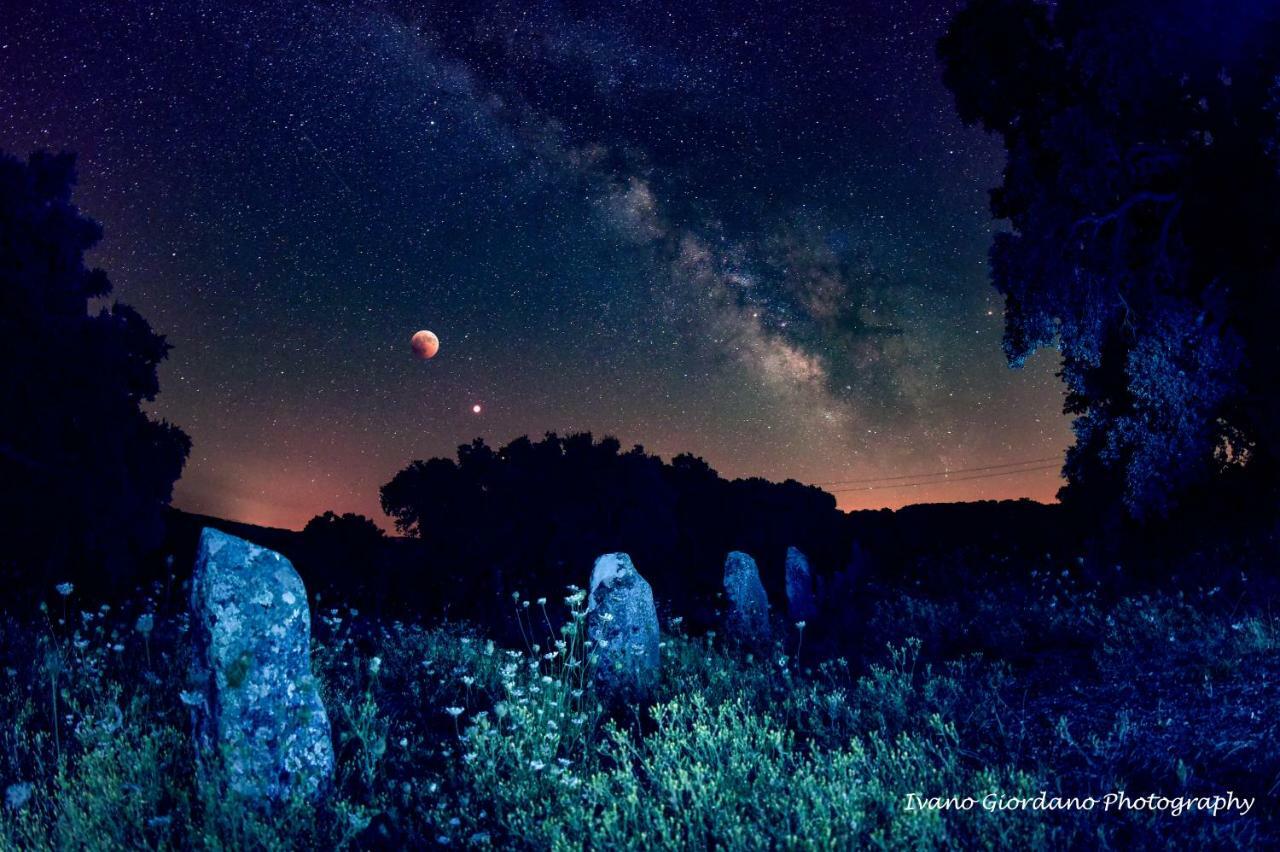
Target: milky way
column 756, row 232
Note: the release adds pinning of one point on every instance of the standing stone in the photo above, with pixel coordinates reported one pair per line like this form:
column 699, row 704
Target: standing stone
column 258, row 710
column 801, row 605
column 622, row 624
column 748, row 616
column 860, row 565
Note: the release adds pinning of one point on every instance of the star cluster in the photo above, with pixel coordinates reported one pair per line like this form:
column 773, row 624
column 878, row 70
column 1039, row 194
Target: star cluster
column 752, row 231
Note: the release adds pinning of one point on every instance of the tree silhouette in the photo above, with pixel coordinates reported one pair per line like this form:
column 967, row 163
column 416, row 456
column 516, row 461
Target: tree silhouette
column 1141, row 189
column 344, row 553
column 532, row 516
column 85, row 472
column 343, row 534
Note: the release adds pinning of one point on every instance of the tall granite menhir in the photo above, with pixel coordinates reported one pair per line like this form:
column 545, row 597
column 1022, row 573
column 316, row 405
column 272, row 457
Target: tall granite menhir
column 801, row 605
column 748, row 616
column 622, row 624
column 261, row 719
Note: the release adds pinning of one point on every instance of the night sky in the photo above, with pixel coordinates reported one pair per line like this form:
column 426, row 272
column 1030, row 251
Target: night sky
column 752, row 231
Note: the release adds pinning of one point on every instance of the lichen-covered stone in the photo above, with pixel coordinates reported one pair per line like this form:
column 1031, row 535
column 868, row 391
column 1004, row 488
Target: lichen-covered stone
column 801, row 605
column 622, row 624
column 747, row 619
column 261, row 719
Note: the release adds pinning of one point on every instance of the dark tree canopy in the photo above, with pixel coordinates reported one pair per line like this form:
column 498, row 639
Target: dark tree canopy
column 342, row 552
column 86, row 471
column 1142, row 191
column 531, row 517
column 349, row 529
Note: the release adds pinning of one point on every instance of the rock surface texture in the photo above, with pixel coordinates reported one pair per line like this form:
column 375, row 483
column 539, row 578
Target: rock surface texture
column 261, row 719
column 747, row 619
column 622, row 624
column 801, row 605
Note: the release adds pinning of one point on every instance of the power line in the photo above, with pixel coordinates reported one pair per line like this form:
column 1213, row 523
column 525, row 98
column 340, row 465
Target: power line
column 945, row 481
column 937, row 473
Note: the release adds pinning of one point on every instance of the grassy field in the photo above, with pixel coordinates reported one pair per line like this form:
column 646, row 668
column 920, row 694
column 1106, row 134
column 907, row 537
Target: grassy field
column 446, row 738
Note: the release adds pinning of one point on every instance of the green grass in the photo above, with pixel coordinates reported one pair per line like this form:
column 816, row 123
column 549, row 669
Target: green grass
column 444, row 737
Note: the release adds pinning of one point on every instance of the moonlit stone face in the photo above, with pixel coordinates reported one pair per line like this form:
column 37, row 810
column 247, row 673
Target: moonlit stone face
column 258, row 706
column 622, row 623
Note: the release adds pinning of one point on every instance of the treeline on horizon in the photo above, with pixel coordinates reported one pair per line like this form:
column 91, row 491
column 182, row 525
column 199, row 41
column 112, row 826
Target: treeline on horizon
column 529, row 519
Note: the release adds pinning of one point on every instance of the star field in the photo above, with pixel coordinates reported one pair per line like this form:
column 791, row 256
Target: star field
column 751, row 231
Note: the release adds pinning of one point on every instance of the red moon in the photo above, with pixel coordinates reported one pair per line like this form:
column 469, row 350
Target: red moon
column 425, row 344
